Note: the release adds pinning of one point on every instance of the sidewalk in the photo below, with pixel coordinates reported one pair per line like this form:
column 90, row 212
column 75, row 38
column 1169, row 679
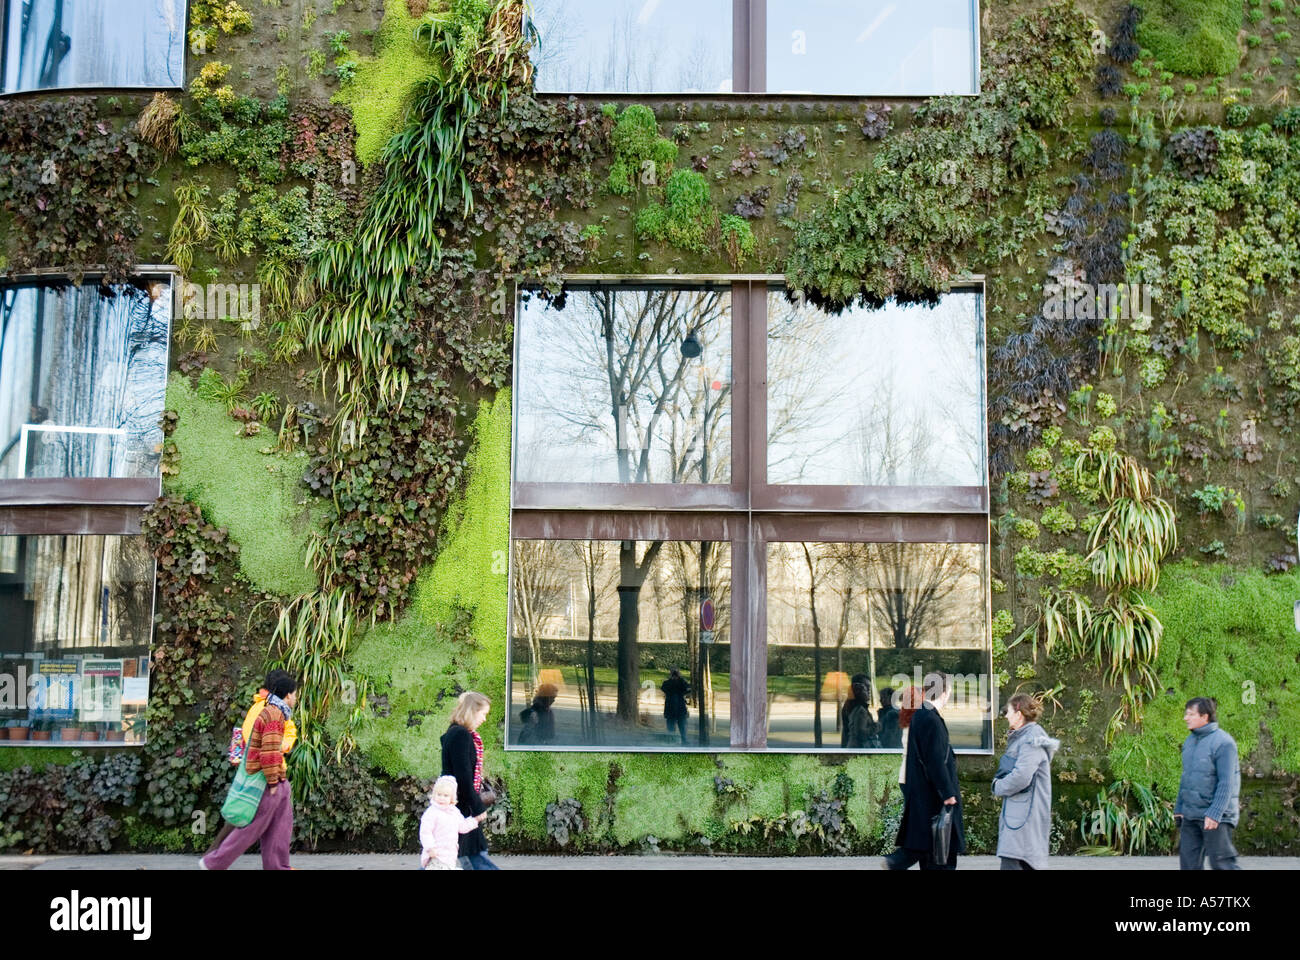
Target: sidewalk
column 667, row 861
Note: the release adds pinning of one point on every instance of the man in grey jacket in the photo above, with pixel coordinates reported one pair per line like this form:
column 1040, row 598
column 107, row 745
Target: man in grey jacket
column 1207, row 806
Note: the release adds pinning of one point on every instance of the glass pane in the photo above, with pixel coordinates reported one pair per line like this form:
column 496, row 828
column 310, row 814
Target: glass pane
column 632, row 46
column 78, row 614
column 90, row 43
column 620, row 644
column 871, row 47
column 82, row 380
column 888, row 397
column 850, row 626
column 625, row 386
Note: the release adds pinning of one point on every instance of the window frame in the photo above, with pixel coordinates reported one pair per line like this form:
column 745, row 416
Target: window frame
column 100, row 88
column 749, row 65
column 90, row 491
column 597, row 512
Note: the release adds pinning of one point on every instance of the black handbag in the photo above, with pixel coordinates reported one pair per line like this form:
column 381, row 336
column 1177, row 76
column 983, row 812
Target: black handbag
column 941, row 833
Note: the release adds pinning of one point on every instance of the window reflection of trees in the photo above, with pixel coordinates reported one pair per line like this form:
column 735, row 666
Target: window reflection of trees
column 89, row 43
column 573, row 599
column 78, row 356
column 596, row 46
column 605, row 387
column 837, row 598
column 880, row 398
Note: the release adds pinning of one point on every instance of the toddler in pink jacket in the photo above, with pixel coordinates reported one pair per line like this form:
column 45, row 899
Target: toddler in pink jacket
column 441, row 827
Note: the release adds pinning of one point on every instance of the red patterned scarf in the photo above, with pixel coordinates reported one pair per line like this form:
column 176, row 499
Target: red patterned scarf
column 478, row 760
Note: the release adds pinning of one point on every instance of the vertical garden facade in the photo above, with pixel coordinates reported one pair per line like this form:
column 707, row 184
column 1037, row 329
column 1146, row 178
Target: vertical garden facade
column 677, row 374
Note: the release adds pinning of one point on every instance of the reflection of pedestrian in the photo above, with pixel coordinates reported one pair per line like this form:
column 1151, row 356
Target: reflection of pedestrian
column 1024, row 782
column 891, row 734
column 675, row 711
column 462, row 758
column 538, row 719
column 1207, row 806
column 931, row 784
column 858, row 731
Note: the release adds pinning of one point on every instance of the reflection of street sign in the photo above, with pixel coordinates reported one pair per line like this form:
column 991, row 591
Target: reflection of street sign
column 706, row 636
column 706, row 615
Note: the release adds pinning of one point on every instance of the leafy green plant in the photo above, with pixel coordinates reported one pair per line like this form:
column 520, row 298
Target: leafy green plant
column 1126, row 818
column 686, row 219
column 639, row 151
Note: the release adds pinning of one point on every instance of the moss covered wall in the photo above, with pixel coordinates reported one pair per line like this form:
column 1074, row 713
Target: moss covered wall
column 361, row 455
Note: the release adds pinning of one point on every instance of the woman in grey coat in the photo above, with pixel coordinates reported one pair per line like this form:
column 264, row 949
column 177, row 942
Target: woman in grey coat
column 1024, row 781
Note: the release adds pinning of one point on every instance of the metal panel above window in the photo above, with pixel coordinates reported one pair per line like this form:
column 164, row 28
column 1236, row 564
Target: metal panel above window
column 71, row 44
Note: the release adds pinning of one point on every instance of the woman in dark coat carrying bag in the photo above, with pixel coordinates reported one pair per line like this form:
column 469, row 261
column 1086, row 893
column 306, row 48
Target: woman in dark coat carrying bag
column 930, row 784
column 462, row 758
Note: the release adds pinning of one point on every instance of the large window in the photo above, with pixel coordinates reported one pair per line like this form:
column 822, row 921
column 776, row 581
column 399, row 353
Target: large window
column 823, row 47
column 51, row 44
column 875, row 47
column 784, row 507
column 74, row 653
column 628, row 385
column 901, row 405
column 83, row 373
column 609, row 46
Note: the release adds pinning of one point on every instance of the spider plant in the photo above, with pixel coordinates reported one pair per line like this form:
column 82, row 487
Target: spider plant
column 266, row 404
column 1124, row 638
column 191, row 226
column 1064, row 620
column 1127, row 819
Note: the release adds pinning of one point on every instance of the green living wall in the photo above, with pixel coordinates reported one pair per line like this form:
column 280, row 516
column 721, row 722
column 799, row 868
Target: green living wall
column 383, row 172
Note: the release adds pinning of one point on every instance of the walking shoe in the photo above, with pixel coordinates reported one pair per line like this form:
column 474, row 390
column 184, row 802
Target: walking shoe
column 202, row 865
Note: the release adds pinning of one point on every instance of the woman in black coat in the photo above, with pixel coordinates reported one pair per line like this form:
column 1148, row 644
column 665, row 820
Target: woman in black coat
column 461, row 758
column 858, row 730
column 930, row 784
column 675, row 711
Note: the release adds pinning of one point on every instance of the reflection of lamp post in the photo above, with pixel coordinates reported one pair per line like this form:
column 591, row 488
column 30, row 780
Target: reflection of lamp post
column 836, row 685
column 691, row 346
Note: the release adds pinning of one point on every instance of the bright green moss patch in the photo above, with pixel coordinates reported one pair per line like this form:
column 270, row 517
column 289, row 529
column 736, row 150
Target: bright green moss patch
column 1229, row 634
column 256, row 496
column 381, row 90
column 454, row 634
column 1197, row 38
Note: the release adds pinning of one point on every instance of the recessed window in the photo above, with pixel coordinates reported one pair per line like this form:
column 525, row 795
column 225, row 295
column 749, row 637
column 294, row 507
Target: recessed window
column 52, row 44
column 731, row 510
column 648, row 46
column 879, row 48
column 83, row 372
column 74, row 654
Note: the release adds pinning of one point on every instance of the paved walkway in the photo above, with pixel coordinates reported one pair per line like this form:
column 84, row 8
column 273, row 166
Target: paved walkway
column 667, row 861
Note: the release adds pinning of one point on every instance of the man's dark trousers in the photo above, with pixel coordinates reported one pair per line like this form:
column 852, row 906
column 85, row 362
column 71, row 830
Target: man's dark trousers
column 1195, row 843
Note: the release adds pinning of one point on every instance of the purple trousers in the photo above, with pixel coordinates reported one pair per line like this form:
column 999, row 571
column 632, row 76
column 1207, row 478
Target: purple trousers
column 272, row 825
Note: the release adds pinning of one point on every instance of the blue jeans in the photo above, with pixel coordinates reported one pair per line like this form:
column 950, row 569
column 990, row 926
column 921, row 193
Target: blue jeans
column 478, row 861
